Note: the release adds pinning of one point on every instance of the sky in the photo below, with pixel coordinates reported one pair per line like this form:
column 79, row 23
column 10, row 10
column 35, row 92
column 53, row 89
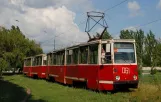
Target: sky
column 65, row 20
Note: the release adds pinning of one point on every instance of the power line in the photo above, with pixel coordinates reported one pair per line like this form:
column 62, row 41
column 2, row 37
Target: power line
column 116, row 5
column 145, row 24
column 149, row 23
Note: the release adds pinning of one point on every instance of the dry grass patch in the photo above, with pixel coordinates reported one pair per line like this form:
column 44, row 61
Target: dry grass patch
column 147, row 92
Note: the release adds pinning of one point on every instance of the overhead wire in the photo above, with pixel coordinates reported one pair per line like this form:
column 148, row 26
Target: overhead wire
column 142, row 25
column 115, row 5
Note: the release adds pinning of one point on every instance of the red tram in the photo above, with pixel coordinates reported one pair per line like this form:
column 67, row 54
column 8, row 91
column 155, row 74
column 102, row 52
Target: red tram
column 101, row 64
column 39, row 66
column 35, row 66
column 27, row 66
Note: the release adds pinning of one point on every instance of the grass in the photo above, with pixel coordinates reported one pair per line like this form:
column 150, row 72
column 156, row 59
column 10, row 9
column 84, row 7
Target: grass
column 13, row 89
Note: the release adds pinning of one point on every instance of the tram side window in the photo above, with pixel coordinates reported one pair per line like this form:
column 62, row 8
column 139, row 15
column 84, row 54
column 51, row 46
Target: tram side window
column 57, row 59
column 106, row 53
column 75, row 56
column 40, row 60
column 44, row 60
column 83, row 55
column 69, row 56
column 54, row 59
column 49, row 59
column 25, row 62
column 33, row 62
column 28, row 62
column 36, row 61
column 62, row 54
column 93, row 54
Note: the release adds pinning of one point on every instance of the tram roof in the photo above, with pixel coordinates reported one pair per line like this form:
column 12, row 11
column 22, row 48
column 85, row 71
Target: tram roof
column 35, row 56
column 124, row 40
column 40, row 55
column 28, row 57
column 93, row 42
column 102, row 40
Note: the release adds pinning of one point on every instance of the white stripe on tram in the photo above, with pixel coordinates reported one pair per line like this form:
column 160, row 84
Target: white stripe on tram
column 43, row 73
column 75, row 78
column 105, row 82
column 33, row 73
column 53, row 75
column 25, row 72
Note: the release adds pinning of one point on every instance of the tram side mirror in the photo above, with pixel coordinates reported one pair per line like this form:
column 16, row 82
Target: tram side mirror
column 108, row 47
column 70, row 52
column 45, row 58
column 108, row 53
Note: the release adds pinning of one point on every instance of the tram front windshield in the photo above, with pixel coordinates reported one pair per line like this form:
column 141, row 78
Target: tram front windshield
column 124, row 52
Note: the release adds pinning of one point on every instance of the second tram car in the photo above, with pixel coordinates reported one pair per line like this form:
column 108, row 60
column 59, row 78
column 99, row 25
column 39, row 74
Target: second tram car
column 39, row 66
column 101, row 64
column 27, row 66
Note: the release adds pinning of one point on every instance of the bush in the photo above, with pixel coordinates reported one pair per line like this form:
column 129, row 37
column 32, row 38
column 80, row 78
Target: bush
column 140, row 70
column 153, row 71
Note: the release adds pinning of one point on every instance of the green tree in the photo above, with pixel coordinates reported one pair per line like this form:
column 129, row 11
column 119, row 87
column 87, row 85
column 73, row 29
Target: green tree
column 158, row 53
column 3, row 65
column 14, row 46
column 126, row 34
column 139, row 38
column 106, row 35
column 150, row 50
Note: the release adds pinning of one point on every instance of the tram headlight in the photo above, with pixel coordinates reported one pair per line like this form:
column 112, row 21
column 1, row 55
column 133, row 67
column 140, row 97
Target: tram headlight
column 135, row 77
column 117, row 78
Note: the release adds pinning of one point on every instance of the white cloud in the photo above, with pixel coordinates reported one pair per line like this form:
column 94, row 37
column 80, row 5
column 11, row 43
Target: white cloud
column 134, row 6
column 134, row 9
column 159, row 4
column 70, row 4
column 39, row 16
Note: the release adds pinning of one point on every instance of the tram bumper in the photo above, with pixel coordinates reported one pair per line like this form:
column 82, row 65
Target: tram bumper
column 125, row 84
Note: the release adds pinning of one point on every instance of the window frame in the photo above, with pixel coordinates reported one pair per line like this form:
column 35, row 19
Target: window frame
column 134, row 46
column 89, row 54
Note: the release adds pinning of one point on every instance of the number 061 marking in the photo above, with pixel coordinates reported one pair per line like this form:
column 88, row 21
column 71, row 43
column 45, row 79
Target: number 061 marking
column 125, row 70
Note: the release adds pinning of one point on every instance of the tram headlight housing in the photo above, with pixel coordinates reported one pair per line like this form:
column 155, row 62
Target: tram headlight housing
column 117, row 78
column 135, row 77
